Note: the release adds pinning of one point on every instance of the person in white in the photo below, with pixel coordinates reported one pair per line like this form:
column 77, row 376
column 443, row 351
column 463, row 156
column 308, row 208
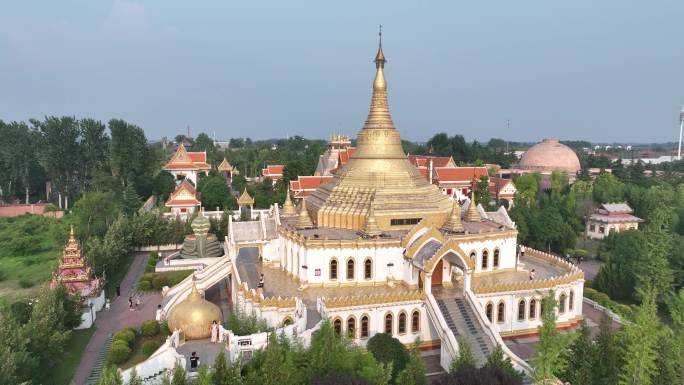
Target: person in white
column 159, row 317
column 214, row 332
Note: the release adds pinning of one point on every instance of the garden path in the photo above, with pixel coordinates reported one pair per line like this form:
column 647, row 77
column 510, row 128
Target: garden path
column 118, row 317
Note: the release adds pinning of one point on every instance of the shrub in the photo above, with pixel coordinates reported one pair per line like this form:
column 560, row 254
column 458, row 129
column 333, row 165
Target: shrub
column 149, row 328
column 144, row 285
column 164, row 329
column 119, row 353
column 386, row 348
column 126, row 336
column 149, row 268
column 159, row 282
column 150, row 347
column 154, row 257
column 26, row 283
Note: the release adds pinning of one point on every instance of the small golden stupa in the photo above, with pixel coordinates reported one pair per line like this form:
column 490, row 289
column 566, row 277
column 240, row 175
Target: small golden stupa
column 194, row 315
column 472, row 215
column 288, row 208
column 453, row 224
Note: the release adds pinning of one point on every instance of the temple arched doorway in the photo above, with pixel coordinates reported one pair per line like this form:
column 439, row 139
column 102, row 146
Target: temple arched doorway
column 437, row 274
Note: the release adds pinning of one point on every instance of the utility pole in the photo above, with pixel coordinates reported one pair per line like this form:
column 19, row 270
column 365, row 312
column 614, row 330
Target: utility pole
column 681, row 126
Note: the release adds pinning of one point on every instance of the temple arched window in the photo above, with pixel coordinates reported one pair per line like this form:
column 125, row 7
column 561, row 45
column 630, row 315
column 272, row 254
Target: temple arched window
column 368, row 269
column 521, row 310
column 489, row 309
column 485, row 259
column 364, row 326
column 350, row 268
column 495, row 262
column 402, row 323
column 333, row 269
column 337, row 326
column 501, row 312
column 561, row 303
column 351, row 327
column 533, row 309
column 415, row 321
column 287, row 321
column 389, row 323
column 571, row 302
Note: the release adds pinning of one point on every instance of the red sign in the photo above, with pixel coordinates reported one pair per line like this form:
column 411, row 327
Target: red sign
column 317, row 272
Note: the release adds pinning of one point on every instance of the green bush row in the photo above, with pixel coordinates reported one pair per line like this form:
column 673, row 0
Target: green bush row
column 604, row 300
column 123, row 342
column 156, row 281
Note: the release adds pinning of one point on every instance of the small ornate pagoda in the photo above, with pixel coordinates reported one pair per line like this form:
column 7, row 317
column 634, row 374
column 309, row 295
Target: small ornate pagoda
column 73, row 272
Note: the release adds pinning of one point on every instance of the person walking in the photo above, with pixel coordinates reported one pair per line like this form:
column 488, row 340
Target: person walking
column 130, row 304
column 194, row 362
column 533, row 274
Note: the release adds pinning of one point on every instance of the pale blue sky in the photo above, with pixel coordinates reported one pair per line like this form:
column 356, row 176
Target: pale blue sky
column 606, row 70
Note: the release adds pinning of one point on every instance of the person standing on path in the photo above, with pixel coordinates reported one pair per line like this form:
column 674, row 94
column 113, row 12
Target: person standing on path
column 214, row 332
column 130, row 304
column 260, row 285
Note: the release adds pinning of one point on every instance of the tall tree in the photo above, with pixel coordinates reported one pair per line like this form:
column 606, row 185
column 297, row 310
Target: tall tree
column 94, row 148
column 548, row 361
column 581, row 358
column 608, row 353
column 641, row 339
column 130, row 156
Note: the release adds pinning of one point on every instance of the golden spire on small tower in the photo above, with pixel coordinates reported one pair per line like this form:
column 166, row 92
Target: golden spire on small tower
column 304, row 220
column 453, row 224
column 473, row 215
column 288, row 208
column 194, row 293
column 371, row 228
column 71, row 231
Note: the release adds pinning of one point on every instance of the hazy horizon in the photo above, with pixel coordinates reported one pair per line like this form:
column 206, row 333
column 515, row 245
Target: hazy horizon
column 602, row 72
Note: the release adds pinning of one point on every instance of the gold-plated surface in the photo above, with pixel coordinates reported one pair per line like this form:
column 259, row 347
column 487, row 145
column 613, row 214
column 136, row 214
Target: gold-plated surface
column 288, row 207
column 194, row 316
column 379, row 168
column 371, row 228
column 472, row 215
column 304, row 220
column 453, row 223
column 245, row 199
column 225, row 166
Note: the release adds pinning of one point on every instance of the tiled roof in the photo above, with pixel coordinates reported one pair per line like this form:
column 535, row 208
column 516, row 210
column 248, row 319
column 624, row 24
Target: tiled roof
column 437, row 161
column 273, row 171
column 615, row 208
column 614, row 218
column 459, row 174
column 184, row 195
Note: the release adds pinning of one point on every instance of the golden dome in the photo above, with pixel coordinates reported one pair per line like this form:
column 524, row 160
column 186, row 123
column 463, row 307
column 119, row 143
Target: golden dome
column 194, row 316
column 379, row 169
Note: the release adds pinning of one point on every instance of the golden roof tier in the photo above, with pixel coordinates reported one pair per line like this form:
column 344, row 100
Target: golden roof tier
column 378, row 168
column 245, row 199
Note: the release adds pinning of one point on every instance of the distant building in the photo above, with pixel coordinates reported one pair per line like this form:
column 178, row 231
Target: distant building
column 305, row 184
column 457, row 182
column 427, row 164
column 184, row 164
column 185, row 200
column 335, row 156
column 500, row 188
column 611, row 217
column 274, row 172
column 548, row 156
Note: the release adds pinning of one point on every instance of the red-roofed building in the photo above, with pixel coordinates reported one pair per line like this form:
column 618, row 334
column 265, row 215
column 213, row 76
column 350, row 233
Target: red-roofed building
column 500, row 188
column 274, row 172
column 456, row 182
column 185, row 200
column 609, row 218
column 305, row 185
column 426, row 164
column 335, row 156
column 184, row 164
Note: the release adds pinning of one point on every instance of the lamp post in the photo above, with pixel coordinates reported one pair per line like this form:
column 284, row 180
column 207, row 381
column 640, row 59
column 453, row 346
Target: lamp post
column 92, row 316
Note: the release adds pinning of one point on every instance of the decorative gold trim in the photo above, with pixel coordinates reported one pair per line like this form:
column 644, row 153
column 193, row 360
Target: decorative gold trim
column 373, row 299
column 530, row 285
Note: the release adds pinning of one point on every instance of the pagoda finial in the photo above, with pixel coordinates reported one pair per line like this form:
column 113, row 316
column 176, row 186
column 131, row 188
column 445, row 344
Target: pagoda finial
column 194, row 293
column 371, row 228
column 288, row 207
column 453, row 224
column 304, row 220
column 380, row 56
column 473, row 215
column 71, row 231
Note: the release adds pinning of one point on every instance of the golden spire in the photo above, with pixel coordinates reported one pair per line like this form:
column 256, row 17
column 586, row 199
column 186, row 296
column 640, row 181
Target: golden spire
column 194, row 293
column 473, row 215
column 371, row 228
column 71, row 232
column 379, row 115
column 245, row 199
column 453, row 224
column 288, row 207
column 304, row 220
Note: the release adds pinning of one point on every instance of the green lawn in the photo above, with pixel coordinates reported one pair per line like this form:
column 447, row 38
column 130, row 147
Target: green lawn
column 73, row 351
column 30, row 247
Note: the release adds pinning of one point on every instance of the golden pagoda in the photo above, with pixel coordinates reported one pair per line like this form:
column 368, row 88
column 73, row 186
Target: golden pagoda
column 378, row 168
column 371, row 228
column 303, row 220
column 73, row 272
column 472, row 215
column 245, row 199
column 288, row 207
column 194, row 315
column 454, row 224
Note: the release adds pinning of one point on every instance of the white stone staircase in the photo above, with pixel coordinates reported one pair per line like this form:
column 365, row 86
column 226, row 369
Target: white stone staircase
column 204, row 279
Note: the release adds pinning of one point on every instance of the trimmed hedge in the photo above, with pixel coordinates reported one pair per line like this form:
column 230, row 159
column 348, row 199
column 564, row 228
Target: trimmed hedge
column 126, row 335
column 604, row 300
column 164, row 329
column 150, row 347
column 149, row 328
column 119, row 352
column 159, row 281
column 144, row 285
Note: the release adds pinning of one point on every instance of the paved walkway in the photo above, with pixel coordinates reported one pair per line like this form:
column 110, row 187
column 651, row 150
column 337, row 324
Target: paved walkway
column 118, row 317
